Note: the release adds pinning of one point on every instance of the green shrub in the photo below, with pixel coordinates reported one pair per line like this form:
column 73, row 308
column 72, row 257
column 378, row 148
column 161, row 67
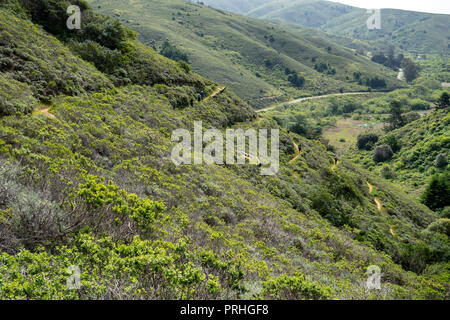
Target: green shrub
column 410, row 117
column 296, row 80
column 445, row 213
column 376, row 83
column 52, row 15
column 105, row 59
column 172, row 52
column 184, row 65
column 440, row 226
column 387, row 172
column 15, row 98
column 415, row 257
column 437, row 193
column 367, row 141
column 419, row 104
column 393, row 142
column 382, row 153
column 294, row 287
column 444, row 101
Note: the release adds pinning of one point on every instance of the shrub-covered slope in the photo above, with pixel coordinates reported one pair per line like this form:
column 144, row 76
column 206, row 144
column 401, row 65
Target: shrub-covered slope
column 89, row 184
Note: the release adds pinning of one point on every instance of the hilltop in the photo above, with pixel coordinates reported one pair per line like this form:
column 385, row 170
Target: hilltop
column 415, row 32
column 262, row 62
column 86, row 181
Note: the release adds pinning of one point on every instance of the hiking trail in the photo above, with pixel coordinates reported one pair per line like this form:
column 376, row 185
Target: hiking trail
column 298, row 153
column 310, row 98
column 46, row 113
column 379, row 206
column 377, row 201
column 215, row 93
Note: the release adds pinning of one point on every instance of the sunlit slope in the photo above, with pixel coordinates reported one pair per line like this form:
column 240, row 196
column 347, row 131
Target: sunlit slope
column 90, row 182
column 248, row 55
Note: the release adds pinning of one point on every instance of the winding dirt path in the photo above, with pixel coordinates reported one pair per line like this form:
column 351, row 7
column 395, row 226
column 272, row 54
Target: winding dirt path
column 379, row 206
column 298, row 153
column 370, row 187
column 215, row 93
column 311, row 98
column 376, row 200
column 46, row 113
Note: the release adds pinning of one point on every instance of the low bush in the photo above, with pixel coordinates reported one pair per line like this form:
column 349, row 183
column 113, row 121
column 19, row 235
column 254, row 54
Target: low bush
column 294, row 287
column 382, row 153
column 441, row 160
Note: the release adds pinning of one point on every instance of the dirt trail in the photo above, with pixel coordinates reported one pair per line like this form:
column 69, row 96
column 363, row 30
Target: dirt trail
column 379, row 206
column 311, row 98
column 298, row 153
column 215, row 93
column 377, row 201
column 370, row 187
column 46, row 113
column 333, row 168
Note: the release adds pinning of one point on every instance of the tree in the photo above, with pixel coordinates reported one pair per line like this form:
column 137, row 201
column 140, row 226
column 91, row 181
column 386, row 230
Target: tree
column 172, row 52
column 441, row 161
column 296, row 80
column 382, row 153
column 410, row 69
column 437, row 193
column 394, row 142
column 366, row 141
column 444, row 101
column 376, row 83
column 396, row 119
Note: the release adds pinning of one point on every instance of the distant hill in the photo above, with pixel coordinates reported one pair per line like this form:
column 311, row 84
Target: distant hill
column 254, row 58
column 415, row 32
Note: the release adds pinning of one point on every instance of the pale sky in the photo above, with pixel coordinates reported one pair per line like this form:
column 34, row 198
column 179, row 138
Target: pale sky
column 433, row 6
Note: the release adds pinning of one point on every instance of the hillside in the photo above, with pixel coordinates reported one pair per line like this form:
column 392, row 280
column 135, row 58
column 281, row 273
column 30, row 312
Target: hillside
column 420, row 142
column 87, row 181
column 258, row 61
column 415, row 32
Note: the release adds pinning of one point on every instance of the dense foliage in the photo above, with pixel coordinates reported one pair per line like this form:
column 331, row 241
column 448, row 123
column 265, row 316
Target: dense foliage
column 86, row 182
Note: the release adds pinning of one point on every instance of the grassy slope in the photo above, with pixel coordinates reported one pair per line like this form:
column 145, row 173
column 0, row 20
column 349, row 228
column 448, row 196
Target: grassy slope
column 268, row 225
column 231, row 49
column 411, row 31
